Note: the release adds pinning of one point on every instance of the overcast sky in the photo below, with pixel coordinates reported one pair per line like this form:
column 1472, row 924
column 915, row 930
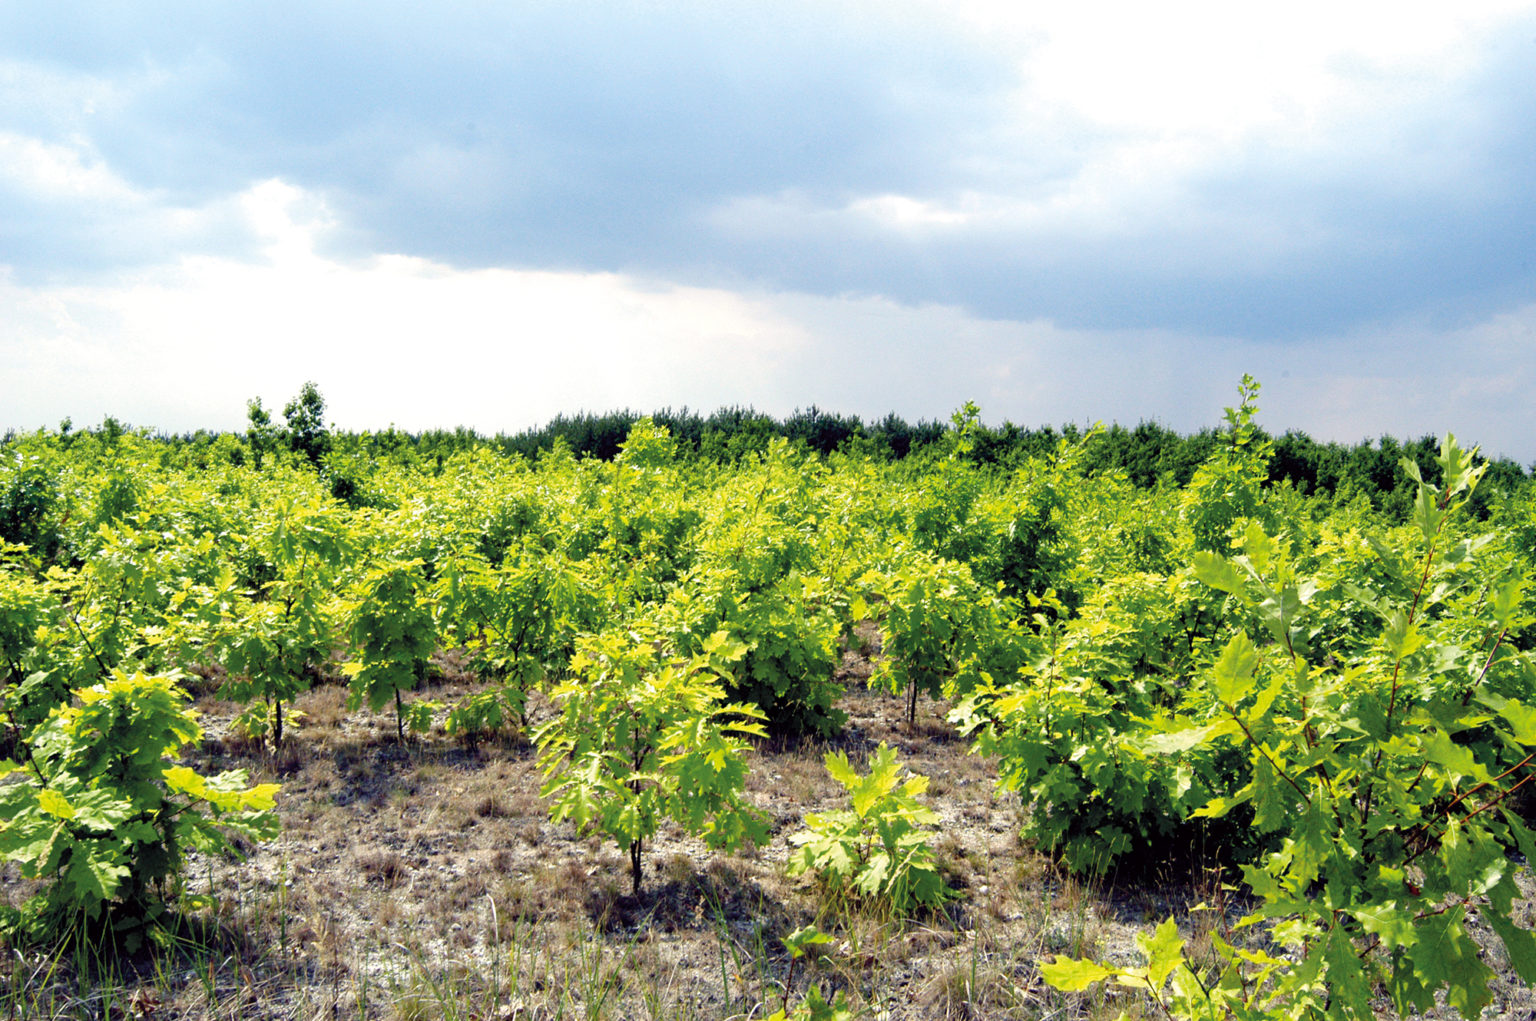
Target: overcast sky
column 485, row 214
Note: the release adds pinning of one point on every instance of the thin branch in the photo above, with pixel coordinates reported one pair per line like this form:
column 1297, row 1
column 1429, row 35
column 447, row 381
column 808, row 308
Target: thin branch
column 1421, row 832
column 1521, row 783
column 1268, row 758
column 1488, row 663
column 75, row 620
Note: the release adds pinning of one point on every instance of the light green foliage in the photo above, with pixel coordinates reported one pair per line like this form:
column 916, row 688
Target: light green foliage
column 141, row 595
column 761, row 578
column 393, row 634
column 29, row 500
column 816, row 1008
column 640, row 517
column 1342, row 702
column 119, row 494
column 940, row 631
column 1180, row 989
column 1386, row 780
column 1077, row 722
column 806, row 936
column 1037, row 520
column 269, row 638
column 1117, row 529
column 875, row 853
column 787, row 634
column 517, row 519
column 1070, row 726
column 518, row 621
column 942, row 516
column 643, row 735
column 99, row 810
column 791, row 632
column 1228, row 487
column 139, row 602
column 648, row 446
column 26, row 607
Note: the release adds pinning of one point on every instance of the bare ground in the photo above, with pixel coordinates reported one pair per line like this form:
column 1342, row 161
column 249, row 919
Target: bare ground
column 424, row 880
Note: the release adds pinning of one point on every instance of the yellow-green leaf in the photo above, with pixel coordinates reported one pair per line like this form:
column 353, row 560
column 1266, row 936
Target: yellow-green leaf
column 1233, row 674
column 1072, row 975
column 55, row 804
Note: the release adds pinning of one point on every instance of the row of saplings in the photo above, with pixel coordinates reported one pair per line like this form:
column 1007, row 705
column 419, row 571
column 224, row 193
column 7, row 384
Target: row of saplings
column 1382, row 782
column 98, row 809
column 93, row 804
column 1369, row 721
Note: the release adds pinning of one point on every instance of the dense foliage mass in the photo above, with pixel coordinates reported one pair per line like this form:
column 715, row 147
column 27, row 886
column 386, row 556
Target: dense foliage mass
column 1312, row 657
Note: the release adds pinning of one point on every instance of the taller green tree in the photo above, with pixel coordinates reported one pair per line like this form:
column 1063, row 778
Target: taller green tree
column 260, row 433
column 305, row 415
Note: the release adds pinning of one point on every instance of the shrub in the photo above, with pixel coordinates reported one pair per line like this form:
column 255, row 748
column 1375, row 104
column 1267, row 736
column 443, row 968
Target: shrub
column 393, row 635
column 1388, row 779
column 1071, row 726
column 940, row 630
column 877, row 852
column 643, row 735
column 29, row 498
column 99, row 811
column 788, row 636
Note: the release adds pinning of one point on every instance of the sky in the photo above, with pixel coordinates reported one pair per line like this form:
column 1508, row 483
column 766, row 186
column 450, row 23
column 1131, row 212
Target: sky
column 487, row 214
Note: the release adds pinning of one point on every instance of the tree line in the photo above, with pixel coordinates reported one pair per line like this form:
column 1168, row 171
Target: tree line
column 1148, row 454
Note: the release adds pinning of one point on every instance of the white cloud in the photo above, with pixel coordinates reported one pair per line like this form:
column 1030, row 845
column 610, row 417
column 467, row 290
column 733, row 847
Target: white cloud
column 1136, row 158
column 54, row 171
column 402, row 340
column 902, row 211
column 389, row 339
column 1220, row 69
column 858, row 211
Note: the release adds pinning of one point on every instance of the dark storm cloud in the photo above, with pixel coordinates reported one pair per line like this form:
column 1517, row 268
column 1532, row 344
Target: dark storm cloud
column 1429, row 213
column 623, row 137
column 588, row 136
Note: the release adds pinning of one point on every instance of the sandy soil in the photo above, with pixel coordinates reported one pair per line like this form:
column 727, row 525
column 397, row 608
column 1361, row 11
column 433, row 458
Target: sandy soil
column 424, row 880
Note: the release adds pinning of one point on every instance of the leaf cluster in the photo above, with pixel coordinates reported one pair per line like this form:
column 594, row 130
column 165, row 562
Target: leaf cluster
column 1070, row 725
column 941, row 632
column 876, row 852
column 98, row 809
column 643, row 735
column 1386, row 780
column 393, row 634
column 518, row 620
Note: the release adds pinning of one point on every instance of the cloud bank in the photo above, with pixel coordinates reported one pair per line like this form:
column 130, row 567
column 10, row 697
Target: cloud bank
column 1103, row 211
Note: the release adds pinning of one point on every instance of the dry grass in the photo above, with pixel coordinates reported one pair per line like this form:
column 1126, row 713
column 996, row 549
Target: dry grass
column 425, row 881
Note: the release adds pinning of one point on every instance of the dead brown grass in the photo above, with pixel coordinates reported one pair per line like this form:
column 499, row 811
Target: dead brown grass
column 424, row 880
